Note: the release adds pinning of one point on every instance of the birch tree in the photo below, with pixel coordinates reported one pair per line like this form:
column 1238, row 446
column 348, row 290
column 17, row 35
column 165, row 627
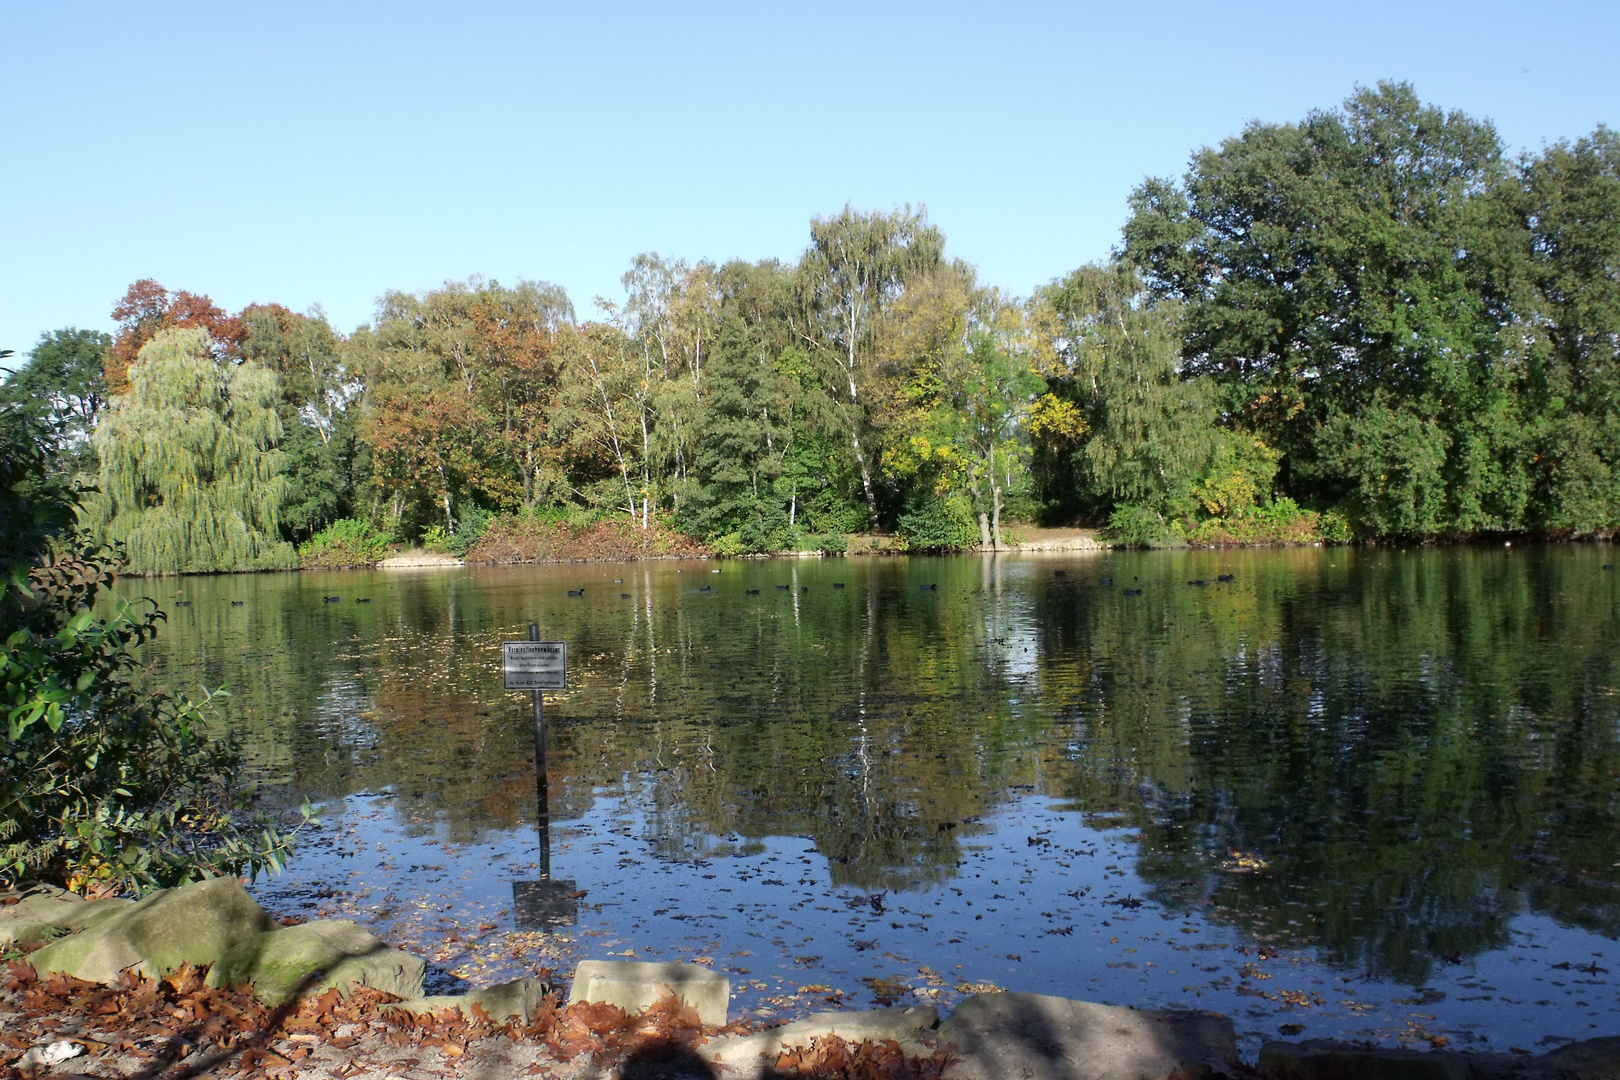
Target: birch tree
column 856, row 266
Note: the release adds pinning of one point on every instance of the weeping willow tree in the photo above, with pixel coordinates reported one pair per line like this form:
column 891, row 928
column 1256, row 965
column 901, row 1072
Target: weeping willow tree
column 190, row 478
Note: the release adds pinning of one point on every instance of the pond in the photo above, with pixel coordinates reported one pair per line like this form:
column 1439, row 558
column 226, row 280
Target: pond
column 1330, row 792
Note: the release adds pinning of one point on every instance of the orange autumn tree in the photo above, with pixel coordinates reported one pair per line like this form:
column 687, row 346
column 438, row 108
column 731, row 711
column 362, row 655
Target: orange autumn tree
column 431, row 447
column 147, row 309
column 461, row 382
column 516, row 342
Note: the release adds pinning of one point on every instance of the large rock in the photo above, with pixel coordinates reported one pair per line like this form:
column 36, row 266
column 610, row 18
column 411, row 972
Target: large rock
column 1000, row 1036
column 1324, row 1059
column 751, row 1056
column 515, row 1000
column 1594, row 1059
column 297, row 961
column 41, row 912
column 196, row 924
column 633, row 986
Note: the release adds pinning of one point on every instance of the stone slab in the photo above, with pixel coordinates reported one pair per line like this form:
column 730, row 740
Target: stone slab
column 298, row 961
column 515, row 1000
column 195, row 924
column 1038, row 1037
column 419, row 560
column 633, row 986
column 751, row 1056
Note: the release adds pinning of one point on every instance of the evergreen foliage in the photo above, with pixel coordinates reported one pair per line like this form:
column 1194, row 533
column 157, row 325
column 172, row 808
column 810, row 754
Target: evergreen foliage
column 190, row 480
column 746, row 435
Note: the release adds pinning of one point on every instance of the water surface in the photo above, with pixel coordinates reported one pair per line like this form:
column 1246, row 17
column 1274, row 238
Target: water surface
column 1363, row 792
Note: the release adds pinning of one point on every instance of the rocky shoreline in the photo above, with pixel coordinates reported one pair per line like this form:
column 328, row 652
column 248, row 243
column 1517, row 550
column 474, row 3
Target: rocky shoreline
column 202, row 980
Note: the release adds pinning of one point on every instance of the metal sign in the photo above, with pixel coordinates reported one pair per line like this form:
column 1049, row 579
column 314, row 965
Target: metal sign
column 534, row 665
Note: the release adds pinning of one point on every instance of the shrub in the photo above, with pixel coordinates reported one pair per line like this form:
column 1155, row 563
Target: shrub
column 828, row 511
column 553, row 537
column 1281, row 521
column 435, row 539
column 1335, row 528
column 1138, row 526
column 346, row 542
column 940, row 524
column 831, row 544
column 470, row 528
column 728, row 546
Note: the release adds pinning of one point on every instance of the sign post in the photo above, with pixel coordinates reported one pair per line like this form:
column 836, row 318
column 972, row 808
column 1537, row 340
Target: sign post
column 539, row 666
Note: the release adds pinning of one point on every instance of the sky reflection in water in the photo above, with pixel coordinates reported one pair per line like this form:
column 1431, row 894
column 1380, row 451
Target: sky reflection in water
column 1368, row 792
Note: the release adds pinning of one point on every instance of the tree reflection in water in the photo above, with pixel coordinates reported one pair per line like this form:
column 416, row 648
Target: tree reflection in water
column 1416, row 745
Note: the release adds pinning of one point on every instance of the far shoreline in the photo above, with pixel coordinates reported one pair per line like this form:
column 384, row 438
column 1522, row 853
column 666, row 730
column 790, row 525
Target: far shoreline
column 416, row 559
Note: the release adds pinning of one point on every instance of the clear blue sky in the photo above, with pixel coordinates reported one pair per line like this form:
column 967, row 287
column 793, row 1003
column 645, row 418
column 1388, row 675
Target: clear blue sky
column 322, row 153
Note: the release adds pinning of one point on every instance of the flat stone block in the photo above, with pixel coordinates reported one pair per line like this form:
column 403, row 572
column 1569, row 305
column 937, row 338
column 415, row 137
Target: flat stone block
column 750, row 1056
column 1037, row 1037
column 634, row 986
column 1323, row 1059
column 507, row 1001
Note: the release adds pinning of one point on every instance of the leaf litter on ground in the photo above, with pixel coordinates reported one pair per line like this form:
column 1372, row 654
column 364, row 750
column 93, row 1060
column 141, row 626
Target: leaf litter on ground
column 176, row 1027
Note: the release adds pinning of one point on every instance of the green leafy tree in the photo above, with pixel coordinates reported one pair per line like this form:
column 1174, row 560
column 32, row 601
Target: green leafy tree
column 63, row 381
column 818, row 482
column 325, row 463
column 856, row 266
column 1121, row 424
column 1568, row 205
column 606, row 405
column 190, row 477
column 1348, row 265
column 969, row 392
column 672, row 313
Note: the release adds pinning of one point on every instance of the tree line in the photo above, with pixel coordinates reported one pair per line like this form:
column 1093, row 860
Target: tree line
column 1370, row 323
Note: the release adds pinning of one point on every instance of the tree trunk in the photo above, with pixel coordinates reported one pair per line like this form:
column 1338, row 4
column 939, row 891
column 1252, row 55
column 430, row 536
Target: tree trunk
column 995, row 520
column 984, row 529
column 866, row 478
column 855, row 420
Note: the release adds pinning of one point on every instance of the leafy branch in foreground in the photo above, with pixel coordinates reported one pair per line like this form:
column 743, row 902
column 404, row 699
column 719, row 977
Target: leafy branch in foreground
column 106, row 785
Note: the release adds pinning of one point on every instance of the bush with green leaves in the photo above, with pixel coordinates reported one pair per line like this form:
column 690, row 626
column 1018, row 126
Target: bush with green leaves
column 1135, row 525
column 470, row 528
column 1280, row 521
column 830, row 544
column 344, row 543
column 941, row 523
column 107, row 784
